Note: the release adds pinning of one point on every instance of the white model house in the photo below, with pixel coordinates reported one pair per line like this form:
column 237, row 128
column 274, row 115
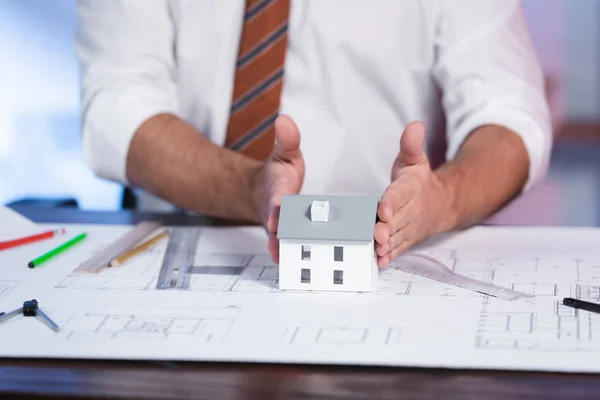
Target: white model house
column 326, row 243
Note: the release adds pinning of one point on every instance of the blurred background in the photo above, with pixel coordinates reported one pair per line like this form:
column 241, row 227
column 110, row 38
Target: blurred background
column 39, row 111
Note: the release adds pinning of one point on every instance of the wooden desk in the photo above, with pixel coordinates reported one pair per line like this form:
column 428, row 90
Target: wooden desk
column 158, row 380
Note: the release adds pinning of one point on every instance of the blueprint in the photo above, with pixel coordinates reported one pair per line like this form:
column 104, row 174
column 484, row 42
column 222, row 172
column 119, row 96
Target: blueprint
column 235, row 311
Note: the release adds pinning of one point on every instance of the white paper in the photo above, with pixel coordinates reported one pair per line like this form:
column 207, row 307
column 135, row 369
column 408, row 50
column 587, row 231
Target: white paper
column 13, row 225
column 241, row 315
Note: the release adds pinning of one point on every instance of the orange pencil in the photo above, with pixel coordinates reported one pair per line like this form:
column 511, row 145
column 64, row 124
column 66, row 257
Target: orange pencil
column 137, row 250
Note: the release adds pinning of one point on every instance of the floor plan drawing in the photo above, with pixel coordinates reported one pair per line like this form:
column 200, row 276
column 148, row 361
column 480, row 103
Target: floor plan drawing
column 139, row 307
column 146, row 327
column 233, row 310
column 256, row 273
column 138, row 273
column 106, row 282
column 542, row 324
column 342, row 336
column 210, row 273
column 533, row 275
column 234, row 273
column 6, row 287
column 588, row 292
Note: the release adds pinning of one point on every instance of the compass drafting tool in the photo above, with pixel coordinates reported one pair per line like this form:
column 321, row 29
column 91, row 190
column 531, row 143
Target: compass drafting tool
column 30, row 309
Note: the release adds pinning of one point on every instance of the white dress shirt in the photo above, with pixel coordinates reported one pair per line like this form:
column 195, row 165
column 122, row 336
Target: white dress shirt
column 357, row 72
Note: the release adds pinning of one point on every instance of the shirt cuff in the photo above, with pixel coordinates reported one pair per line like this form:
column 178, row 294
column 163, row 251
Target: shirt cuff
column 536, row 138
column 109, row 126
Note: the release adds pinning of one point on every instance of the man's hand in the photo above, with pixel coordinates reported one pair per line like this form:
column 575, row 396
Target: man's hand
column 416, row 205
column 283, row 173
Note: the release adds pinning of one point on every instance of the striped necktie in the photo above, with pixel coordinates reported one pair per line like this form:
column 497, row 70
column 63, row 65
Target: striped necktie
column 258, row 78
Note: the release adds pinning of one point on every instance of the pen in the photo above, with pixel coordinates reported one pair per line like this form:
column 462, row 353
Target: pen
column 43, row 258
column 30, row 239
column 584, row 305
column 137, row 250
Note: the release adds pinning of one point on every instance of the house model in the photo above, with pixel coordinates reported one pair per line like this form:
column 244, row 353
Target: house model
column 326, row 243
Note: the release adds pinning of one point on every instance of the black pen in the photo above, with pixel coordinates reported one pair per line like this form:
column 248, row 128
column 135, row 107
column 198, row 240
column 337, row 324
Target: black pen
column 584, row 305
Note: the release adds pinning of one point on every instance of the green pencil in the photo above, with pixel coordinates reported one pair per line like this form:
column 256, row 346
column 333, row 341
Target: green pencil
column 56, row 251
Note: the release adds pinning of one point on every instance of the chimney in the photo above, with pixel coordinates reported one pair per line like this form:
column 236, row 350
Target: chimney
column 319, row 211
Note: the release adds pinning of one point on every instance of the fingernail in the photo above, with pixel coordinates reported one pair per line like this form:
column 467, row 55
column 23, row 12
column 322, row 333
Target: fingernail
column 384, row 262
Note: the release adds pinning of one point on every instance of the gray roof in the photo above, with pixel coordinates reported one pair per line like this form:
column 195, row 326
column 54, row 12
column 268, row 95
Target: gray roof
column 351, row 218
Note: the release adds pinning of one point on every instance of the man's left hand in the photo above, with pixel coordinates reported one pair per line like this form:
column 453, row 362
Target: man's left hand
column 416, row 205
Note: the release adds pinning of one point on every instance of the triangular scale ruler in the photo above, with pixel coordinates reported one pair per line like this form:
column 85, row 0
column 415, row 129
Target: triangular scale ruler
column 119, row 247
column 428, row 267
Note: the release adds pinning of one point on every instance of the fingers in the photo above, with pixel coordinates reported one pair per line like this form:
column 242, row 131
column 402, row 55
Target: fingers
column 279, row 187
column 412, row 149
column 385, row 233
column 394, row 198
column 282, row 178
column 273, row 221
column 401, row 244
column 412, row 143
column 272, row 227
column 394, row 241
column 287, row 138
column 273, row 246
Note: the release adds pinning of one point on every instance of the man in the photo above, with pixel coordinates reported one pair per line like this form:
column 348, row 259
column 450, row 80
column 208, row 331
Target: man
column 437, row 106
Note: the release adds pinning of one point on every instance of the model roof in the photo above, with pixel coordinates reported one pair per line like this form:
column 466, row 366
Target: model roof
column 351, row 218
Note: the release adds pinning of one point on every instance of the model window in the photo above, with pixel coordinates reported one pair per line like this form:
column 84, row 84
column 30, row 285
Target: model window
column 305, row 275
column 338, row 277
column 338, row 253
column 306, row 252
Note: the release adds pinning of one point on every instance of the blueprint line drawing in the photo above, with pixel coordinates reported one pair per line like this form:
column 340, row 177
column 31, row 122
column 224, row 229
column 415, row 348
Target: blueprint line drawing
column 341, row 336
column 106, row 282
column 235, row 312
column 234, row 273
column 543, row 289
column 588, row 292
column 117, row 326
column 211, row 272
column 137, row 307
column 6, row 287
column 547, row 325
column 256, row 273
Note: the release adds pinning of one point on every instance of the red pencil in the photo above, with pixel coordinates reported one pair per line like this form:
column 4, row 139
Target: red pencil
column 30, row 239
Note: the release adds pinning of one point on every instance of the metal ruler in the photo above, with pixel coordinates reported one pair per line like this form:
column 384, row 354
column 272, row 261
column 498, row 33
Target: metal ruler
column 101, row 260
column 428, row 267
column 179, row 257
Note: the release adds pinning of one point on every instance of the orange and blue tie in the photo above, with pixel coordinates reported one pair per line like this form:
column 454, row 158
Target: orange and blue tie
column 258, row 78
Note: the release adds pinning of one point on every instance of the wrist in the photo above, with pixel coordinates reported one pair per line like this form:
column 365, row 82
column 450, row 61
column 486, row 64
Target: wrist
column 256, row 195
column 449, row 207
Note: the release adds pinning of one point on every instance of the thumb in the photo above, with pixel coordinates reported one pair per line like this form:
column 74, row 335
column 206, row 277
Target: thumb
column 287, row 139
column 412, row 146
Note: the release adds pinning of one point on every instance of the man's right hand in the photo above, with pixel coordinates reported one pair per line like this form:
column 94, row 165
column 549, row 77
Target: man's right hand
column 283, row 173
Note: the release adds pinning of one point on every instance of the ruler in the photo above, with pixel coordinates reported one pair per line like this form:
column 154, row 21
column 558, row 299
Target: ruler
column 428, row 267
column 101, row 260
column 175, row 271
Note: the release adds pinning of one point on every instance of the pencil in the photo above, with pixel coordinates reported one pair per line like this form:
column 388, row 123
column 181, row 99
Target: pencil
column 30, row 239
column 52, row 253
column 137, row 250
